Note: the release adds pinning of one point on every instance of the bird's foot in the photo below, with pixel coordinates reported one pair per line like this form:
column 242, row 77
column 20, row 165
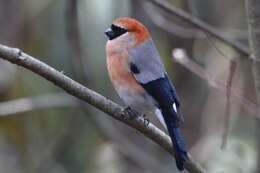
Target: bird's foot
column 131, row 113
column 146, row 120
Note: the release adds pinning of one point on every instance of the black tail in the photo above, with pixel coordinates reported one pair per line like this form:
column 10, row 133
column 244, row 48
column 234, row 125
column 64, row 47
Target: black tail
column 165, row 95
column 179, row 147
column 177, row 141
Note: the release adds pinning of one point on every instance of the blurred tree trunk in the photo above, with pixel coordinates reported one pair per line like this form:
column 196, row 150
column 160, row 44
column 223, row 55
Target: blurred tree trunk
column 253, row 11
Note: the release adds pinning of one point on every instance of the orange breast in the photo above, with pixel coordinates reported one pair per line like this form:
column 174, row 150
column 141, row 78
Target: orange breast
column 119, row 73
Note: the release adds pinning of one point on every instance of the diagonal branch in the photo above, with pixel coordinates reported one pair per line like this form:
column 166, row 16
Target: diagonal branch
column 181, row 57
column 168, row 7
column 74, row 88
column 22, row 105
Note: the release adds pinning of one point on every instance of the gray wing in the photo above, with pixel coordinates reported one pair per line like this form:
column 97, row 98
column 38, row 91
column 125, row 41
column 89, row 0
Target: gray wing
column 146, row 61
column 148, row 70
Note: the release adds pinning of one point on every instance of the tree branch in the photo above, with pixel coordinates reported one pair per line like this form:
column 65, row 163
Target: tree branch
column 253, row 15
column 181, row 57
column 170, row 26
column 168, row 7
column 25, row 104
column 233, row 95
column 74, row 88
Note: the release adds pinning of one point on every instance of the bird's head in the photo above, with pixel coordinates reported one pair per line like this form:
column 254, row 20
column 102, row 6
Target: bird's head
column 127, row 32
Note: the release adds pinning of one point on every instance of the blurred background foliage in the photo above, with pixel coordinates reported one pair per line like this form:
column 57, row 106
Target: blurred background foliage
column 43, row 130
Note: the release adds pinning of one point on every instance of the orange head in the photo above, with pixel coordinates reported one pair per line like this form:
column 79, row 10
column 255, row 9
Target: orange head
column 128, row 31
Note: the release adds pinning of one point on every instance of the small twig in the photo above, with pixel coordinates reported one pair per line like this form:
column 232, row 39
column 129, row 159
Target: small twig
column 168, row 7
column 16, row 56
column 228, row 117
column 39, row 102
column 180, row 56
column 169, row 26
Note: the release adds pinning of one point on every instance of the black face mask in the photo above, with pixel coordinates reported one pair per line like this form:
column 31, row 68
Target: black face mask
column 114, row 32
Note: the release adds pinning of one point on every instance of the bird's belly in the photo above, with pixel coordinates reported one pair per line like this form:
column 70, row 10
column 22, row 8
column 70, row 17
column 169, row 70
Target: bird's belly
column 128, row 89
column 141, row 102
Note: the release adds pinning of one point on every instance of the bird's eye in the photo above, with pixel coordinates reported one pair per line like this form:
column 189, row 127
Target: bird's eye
column 115, row 31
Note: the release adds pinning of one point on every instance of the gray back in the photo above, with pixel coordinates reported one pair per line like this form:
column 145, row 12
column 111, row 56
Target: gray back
column 147, row 59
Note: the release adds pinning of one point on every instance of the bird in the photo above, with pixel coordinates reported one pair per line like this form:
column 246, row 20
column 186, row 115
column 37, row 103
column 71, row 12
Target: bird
column 140, row 79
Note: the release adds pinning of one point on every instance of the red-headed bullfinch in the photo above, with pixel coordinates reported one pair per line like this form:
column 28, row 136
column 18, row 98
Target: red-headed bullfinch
column 140, row 79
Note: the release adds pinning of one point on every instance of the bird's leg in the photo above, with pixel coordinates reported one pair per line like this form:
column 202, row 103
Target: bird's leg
column 131, row 112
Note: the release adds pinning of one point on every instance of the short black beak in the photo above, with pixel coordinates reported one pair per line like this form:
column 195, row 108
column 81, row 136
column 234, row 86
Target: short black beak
column 110, row 33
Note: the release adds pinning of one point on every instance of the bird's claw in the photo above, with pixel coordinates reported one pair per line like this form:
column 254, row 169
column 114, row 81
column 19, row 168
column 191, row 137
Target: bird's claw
column 131, row 112
column 146, row 120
